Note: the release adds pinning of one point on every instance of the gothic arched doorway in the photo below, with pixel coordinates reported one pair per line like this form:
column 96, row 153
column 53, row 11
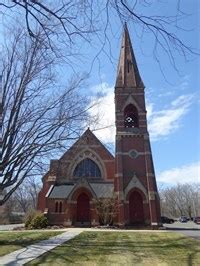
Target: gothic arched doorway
column 136, row 211
column 83, row 208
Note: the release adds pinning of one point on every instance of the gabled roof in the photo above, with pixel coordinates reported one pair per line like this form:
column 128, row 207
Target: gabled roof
column 128, row 74
column 88, row 138
column 61, row 191
column 100, row 190
column 103, row 190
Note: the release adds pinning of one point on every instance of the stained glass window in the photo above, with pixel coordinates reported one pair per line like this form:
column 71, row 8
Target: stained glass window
column 87, row 168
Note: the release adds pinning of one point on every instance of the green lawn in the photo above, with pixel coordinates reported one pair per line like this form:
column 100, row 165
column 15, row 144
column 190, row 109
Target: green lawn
column 11, row 241
column 127, row 248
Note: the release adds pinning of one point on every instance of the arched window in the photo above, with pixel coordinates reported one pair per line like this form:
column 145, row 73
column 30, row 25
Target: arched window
column 130, row 116
column 56, row 206
column 87, row 168
column 60, row 206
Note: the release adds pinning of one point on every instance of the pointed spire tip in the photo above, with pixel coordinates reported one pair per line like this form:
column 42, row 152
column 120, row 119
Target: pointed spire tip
column 125, row 26
column 128, row 73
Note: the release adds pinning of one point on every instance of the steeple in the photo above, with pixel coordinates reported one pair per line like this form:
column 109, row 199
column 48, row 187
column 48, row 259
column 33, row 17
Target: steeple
column 128, row 74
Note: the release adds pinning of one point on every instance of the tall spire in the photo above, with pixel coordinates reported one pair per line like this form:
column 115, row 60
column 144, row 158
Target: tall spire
column 128, row 74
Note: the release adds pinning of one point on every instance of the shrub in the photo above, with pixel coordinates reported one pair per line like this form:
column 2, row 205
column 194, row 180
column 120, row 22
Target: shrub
column 39, row 221
column 107, row 210
column 35, row 220
column 29, row 217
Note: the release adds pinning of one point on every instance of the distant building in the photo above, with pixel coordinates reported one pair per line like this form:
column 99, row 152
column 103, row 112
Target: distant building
column 88, row 171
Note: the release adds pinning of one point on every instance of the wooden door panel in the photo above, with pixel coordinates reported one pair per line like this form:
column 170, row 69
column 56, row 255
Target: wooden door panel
column 136, row 211
column 83, row 208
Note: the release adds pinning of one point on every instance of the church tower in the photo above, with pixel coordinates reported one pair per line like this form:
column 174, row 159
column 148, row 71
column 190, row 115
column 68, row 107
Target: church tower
column 135, row 183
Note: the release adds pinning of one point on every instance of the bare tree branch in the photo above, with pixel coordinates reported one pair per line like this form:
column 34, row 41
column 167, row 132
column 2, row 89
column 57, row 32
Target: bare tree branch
column 182, row 199
column 39, row 116
column 79, row 19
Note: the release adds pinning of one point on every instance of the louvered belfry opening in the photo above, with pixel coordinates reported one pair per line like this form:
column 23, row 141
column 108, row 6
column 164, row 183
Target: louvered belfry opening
column 131, row 116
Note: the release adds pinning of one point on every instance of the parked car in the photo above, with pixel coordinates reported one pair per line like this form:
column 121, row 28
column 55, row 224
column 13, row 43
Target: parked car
column 183, row 219
column 196, row 220
column 166, row 220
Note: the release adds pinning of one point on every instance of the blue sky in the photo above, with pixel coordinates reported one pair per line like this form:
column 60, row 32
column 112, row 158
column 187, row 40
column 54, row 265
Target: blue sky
column 173, row 100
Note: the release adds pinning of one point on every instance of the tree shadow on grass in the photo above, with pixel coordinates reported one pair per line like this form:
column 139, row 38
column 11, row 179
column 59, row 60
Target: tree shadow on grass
column 88, row 248
column 18, row 242
column 24, row 240
column 15, row 242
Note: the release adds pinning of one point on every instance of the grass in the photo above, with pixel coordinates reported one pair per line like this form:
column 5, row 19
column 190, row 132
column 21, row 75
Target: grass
column 124, row 248
column 11, row 241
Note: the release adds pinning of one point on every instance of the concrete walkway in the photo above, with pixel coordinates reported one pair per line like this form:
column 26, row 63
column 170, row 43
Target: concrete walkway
column 24, row 255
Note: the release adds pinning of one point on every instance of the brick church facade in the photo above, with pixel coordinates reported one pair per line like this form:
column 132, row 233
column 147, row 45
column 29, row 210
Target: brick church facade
column 88, row 172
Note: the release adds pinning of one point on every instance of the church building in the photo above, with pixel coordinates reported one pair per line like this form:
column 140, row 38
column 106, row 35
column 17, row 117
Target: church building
column 88, row 172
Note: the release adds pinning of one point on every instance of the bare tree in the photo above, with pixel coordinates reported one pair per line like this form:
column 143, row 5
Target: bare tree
column 182, row 199
column 70, row 20
column 107, row 209
column 7, row 210
column 33, row 187
column 21, row 197
column 39, row 116
column 25, row 196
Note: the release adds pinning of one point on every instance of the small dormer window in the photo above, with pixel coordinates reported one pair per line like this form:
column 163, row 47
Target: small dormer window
column 131, row 117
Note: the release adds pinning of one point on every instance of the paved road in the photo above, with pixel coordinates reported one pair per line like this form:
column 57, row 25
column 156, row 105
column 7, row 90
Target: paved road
column 9, row 227
column 188, row 229
column 184, row 226
column 192, row 233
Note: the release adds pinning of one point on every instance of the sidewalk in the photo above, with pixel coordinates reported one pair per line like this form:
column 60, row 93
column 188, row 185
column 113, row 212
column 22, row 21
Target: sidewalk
column 24, row 255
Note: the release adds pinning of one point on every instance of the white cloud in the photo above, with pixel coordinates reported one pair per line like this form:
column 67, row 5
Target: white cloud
column 189, row 173
column 149, row 108
column 161, row 123
column 105, row 110
column 165, row 122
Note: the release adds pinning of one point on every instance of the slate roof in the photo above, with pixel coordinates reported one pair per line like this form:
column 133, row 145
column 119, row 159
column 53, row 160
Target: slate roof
column 61, row 192
column 101, row 190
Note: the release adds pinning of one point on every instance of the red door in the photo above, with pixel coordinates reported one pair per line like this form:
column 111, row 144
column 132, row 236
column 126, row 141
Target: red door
column 83, row 208
column 136, row 208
